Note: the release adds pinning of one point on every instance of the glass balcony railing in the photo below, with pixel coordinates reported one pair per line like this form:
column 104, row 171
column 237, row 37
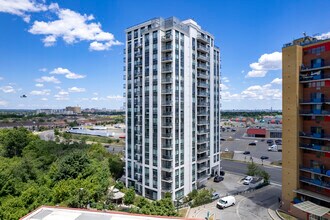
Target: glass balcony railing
column 202, row 38
column 167, row 157
column 167, row 37
column 316, row 182
column 167, row 135
column 202, row 48
column 167, row 58
column 314, row 100
column 166, row 69
column 167, row 178
column 315, row 112
column 321, row 170
column 167, row 48
column 202, row 93
column 167, row 146
column 320, row 136
column 315, row 147
column 202, row 75
column 167, row 80
column 203, row 66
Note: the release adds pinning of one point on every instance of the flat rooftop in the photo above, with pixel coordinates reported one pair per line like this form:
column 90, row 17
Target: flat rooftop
column 60, row 213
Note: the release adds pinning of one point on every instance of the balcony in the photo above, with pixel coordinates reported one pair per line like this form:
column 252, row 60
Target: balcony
column 314, row 112
column 203, row 113
column 202, row 75
column 202, row 48
column 167, row 103
column 203, row 131
column 138, row 45
column 138, row 54
column 305, row 78
column 317, row 136
column 167, row 37
column 202, row 122
column 167, row 80
column 167, row 135
column 202, row 168
column 202, row 177
column 202, row 93
column 167, row 179
column 201, row 150
column 167, row 189
column 203, row 58
column 167, row 167
column 167, row 146
column 167, row 59
column 202, row 140
column 167, row 91
column 202, row 159
column 315, row 147
column 167, row 114
column 318, row 171
column 167, row 124
column 315, row 101
column 202, row 39
column 203, row 66
column 167, row 48
column 203, row 84
column 203, row 104
column 167, row 69
column 167, row 157
column 305, row 69
column 315, row 182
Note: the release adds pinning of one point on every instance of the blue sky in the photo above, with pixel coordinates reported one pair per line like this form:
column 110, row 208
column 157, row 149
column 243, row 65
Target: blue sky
column 70, row 52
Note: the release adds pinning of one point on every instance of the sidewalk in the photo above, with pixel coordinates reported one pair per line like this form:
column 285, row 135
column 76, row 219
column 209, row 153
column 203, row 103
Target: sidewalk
column 272, row 213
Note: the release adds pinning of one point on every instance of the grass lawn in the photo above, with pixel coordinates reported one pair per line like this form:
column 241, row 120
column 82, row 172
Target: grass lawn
column 227, row 155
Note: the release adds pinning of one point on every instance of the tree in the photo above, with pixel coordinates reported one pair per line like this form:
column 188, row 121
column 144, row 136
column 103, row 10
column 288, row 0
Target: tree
column 129, row 196
column 265, row 176
column 204, row 196
column 14, row 141
column 116, row 166
column 253, row 169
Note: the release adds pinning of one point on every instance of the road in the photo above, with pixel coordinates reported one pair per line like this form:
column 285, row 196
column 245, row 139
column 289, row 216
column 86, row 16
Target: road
column 248, row 206
column 241, row 168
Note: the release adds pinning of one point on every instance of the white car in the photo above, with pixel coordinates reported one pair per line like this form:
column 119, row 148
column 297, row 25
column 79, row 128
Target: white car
column 247, row 180
column 226, row 150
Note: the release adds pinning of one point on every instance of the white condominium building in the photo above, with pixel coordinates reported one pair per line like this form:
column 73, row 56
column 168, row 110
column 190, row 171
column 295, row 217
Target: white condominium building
column 172, row 107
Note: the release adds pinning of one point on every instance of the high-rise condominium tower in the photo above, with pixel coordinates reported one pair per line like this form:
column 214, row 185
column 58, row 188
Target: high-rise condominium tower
column 306, row 128
column 172, row 107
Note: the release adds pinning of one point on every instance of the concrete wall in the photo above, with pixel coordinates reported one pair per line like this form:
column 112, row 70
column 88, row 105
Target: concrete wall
column 291, row 62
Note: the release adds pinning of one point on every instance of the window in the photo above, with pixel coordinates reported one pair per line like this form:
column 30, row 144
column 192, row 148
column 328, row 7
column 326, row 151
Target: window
column 316, row 63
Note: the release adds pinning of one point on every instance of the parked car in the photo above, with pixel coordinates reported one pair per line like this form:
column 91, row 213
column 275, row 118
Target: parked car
column 226, row 202
column 222, row 139
column 226, row 150
column 222, row 173
column 218, row 179
column 246, row 152
column 278, row 142
column 273, row 148
column 233, row 130
column 264, row 157
column 270, row 141
column 247, row 180
column 215, row 196
column 252, row 144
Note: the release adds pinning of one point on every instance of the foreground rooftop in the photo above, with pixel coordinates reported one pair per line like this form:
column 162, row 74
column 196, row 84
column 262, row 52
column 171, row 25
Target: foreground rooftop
column 56, row 213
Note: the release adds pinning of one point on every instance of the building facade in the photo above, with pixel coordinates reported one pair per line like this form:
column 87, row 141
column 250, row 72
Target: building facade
column 306, row 128
column 172, row 107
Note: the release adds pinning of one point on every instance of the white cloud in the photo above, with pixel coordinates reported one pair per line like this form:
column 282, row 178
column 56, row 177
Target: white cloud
column 50, row 79
column 44, row 99
column 277, row 81
column 265, row 63
column 76, row 89
column 43, row 69
column 223, row 87
column 1, row 78
column 21, row 7
column 95, row 98
column 3, row 103
column 73, row 27
column 62, row 95
column 323, row 36
column 225, row 79
column 40, row 92
column 68, row 74
column 115, row 97
column 243, row 71
column 95, row 93
column 39, row 85
column 7, row 89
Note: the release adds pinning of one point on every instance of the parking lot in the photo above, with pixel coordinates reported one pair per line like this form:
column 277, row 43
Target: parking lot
column 249, row 205
column 234, row 141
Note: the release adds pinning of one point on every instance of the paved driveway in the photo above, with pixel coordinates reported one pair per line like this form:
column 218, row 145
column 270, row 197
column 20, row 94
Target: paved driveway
column 248, row 206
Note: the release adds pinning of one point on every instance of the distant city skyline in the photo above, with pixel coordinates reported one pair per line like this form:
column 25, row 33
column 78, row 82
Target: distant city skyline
column 61, row 53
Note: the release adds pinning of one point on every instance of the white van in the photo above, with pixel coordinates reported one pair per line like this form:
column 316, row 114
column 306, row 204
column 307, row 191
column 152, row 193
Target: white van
column 226, row 202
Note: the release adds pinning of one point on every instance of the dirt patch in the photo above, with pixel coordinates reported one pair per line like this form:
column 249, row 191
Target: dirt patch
column 227, row 155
